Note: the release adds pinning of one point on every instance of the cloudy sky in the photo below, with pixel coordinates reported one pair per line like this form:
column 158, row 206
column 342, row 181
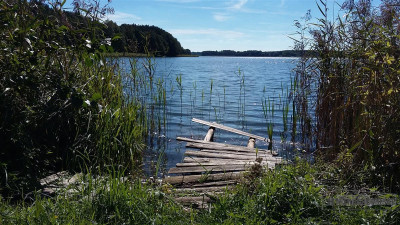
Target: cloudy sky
column 221, row 24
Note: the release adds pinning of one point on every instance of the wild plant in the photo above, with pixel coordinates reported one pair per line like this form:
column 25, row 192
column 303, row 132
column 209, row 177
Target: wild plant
column 354, row 72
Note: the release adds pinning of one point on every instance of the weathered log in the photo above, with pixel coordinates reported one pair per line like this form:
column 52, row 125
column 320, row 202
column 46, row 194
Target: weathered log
column 210, row 134
column 251, row 143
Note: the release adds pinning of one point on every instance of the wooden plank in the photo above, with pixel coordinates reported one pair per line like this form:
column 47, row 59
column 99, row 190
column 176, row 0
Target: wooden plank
column 193, row 199
column 229, row 152
column 222, row 127
column 205, row 189
column 202, row 178
column 217, row 155
column 212, row 160
column 259, row 155
column 210, row 134
column 211, row 145
column 199, row 169
column 216, row 163
column 200, row 144
column 206, row 154
column 216, row 183
column 219, row 168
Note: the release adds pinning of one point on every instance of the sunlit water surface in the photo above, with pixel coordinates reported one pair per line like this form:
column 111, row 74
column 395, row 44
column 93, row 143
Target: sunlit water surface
column 212, row 89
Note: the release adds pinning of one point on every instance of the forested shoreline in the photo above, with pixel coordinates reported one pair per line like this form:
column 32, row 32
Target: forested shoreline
column 132, row 38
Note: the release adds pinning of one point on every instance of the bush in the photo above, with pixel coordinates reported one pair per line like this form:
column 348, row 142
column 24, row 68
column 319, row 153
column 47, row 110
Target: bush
column 356, row 83
column 61, row 104
column 287, row 195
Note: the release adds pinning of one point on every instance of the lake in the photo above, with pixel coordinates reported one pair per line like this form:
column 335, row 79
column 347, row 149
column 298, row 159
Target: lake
column 227, row 90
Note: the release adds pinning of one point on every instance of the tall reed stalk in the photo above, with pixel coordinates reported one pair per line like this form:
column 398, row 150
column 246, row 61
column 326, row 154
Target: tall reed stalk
column 354, row 75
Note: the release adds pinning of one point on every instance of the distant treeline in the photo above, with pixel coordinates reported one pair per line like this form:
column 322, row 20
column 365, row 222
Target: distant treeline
column 134, row 38
column 126, row 38
column 254, row 53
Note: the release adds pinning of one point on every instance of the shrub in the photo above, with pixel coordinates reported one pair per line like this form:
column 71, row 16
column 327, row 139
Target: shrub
column 61, row 104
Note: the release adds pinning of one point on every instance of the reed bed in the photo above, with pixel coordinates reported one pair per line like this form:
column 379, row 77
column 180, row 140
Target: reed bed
column 354, row 71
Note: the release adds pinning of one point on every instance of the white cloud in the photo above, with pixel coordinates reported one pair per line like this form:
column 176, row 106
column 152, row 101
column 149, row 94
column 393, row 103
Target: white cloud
column 220, row 17
column 239, row 4
column 209, row 32
column 282, row 3
column 121, row 17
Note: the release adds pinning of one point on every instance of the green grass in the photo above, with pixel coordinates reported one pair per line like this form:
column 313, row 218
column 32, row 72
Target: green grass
column 110, row 201
column 290, row 195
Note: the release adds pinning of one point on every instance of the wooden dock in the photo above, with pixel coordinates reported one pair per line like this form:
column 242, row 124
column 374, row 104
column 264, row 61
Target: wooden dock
column 214, row 167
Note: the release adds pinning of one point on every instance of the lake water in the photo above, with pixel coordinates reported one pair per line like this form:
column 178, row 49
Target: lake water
column 227, row 90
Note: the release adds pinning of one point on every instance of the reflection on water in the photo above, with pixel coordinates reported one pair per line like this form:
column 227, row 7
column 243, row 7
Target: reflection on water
column 227, row 90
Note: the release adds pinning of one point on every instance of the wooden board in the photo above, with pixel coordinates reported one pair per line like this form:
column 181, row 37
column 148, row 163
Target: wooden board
column 219, row 168
column 202, row 178
column 212, row 160
column 216, row 163
column 253, row 154
column 221, row 156
column 216, row 183
column 233, row 130
column 205, row 189
column 212, row 145
column 199, row 169
column 200, row 144
column 227, row 153
column 193, row 199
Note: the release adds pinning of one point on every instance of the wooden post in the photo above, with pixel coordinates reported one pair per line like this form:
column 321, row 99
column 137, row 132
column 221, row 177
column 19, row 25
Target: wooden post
column 251, row 143
column 210, row 134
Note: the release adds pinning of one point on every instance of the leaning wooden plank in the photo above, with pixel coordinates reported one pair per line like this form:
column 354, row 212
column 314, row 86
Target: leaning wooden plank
column 217, row 155
column 199, row 169
column 202, row 178
column 222, row 127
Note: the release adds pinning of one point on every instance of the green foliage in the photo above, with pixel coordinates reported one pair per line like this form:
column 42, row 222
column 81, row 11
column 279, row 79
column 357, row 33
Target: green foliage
column 356, row 80
column 61, row 104
column 285, row 195
column 289, row 195
column 143, row 39
column 105, row 201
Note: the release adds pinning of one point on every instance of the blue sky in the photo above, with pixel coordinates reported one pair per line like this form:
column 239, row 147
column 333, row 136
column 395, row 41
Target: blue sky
column 220, row 24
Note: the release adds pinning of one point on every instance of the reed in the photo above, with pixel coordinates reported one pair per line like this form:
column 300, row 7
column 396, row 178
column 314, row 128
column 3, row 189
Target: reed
column 354, row 74
column 268, row 108
column 242, row 97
